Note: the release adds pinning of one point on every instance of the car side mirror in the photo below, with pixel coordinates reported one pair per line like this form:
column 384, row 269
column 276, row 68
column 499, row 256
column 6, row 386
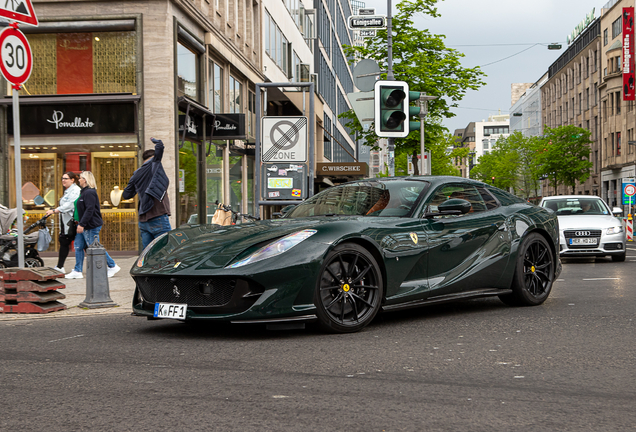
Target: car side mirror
column 286, row 209
column 453, row 206
column 617, row 211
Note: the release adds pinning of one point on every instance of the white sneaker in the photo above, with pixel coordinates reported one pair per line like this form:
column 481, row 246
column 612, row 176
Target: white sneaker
column 61, row 270
column 113, row 270
column 74, row 275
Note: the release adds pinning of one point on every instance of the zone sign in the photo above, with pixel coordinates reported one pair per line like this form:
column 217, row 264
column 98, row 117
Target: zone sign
column 16, row 58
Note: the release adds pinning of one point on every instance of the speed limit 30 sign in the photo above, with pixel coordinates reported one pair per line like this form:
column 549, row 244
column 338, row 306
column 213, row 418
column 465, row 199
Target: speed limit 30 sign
column 17, row 60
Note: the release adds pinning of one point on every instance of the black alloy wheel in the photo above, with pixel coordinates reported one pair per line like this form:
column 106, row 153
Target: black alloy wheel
column 349, row 290
column 534, row 273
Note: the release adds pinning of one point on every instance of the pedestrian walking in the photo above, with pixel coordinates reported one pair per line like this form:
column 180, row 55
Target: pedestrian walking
column 90, row 222
column 66, row 209
column 151, row 183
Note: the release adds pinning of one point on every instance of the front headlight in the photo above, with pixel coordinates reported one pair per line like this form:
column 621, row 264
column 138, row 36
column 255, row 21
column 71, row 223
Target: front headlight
column 615, row 230
column 140, row 260
column 278, row 247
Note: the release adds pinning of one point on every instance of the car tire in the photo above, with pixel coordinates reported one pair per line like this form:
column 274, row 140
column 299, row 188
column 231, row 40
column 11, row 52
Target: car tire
column 349, row 289
column 619, row 258
column 534, row 273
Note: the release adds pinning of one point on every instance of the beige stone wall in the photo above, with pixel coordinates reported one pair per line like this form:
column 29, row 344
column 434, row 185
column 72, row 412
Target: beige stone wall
column 517, row 90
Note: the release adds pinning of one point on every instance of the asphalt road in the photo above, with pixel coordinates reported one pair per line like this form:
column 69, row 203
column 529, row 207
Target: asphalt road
column 568, row 365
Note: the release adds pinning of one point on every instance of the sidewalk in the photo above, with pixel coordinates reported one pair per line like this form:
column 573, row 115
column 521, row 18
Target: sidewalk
column 121, row 289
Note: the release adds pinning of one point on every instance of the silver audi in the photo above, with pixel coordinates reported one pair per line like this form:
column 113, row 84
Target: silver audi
column 587, row 226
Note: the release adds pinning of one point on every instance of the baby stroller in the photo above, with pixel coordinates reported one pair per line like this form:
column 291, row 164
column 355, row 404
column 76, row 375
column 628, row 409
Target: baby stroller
column 9, row 241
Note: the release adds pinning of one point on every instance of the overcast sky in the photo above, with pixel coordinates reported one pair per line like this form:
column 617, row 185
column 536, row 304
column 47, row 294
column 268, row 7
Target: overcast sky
column 491, row 24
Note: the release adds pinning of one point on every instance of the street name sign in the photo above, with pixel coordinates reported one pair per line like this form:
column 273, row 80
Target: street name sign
column 19, row 10
column 357, row 22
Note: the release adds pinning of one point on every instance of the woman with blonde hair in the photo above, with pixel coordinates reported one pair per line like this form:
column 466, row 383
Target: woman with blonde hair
column 88, row 213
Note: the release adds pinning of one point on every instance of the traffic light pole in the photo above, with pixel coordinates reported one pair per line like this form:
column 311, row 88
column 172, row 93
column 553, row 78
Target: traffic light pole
column 390, row 77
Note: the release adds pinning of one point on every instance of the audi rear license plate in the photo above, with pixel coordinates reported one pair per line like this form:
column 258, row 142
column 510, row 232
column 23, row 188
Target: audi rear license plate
column 583, row 241
column 170, row 310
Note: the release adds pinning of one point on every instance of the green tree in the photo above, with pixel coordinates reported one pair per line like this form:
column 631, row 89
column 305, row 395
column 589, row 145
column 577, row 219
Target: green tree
column 563, row 155
column 421, row 59
column 512, row 162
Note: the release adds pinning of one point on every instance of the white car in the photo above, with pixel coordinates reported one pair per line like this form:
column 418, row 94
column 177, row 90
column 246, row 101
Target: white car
column 587, row 226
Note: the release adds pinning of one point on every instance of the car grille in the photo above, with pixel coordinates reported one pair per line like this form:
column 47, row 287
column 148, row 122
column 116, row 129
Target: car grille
column 581, row 233
column 195, row 291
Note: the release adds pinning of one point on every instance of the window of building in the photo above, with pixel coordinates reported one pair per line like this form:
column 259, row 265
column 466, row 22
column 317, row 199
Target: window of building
column 618, row 102
column 604, row 37
column 484, row 144
column 236, row 96
column 617, row 27
column 327, row 137
column 216, row 88
column 97, row 62
column 618, row 143
column 251, row 115
column 187, row 72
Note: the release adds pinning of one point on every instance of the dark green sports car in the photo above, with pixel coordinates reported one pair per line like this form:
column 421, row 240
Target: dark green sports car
column 352, row 250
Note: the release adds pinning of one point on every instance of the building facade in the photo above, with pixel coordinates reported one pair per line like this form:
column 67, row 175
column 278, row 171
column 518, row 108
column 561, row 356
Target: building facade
column 525, row 112
column 115, row 73
column 617, row 157
column 480, row 138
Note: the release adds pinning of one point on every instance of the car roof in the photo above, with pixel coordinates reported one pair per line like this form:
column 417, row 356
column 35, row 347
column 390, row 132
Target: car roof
column 434, row 180
column 570, row 197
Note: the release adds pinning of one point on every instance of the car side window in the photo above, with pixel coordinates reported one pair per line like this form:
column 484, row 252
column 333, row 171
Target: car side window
column 465, row 192
column 489, row 200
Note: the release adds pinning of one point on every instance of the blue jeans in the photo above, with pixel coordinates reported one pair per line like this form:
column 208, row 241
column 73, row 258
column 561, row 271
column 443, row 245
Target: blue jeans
column 153, row 228
column 84, row 240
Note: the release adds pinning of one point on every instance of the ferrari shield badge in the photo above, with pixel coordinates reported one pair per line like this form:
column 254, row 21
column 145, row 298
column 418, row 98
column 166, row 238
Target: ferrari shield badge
column 413, row 237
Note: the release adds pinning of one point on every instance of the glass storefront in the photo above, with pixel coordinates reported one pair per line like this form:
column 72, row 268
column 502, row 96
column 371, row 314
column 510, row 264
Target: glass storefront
column 112, row 164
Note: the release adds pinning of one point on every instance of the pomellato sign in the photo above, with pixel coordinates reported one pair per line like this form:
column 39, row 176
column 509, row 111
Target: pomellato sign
column 118, row 118
column 229, row 127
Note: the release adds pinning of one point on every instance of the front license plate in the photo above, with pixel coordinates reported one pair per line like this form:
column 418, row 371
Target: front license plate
column 583, row 241
column 170, row 310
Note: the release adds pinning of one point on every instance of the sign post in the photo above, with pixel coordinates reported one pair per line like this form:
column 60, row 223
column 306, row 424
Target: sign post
column 16, row 65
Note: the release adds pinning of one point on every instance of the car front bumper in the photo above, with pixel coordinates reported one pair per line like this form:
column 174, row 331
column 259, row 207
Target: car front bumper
column 607, row 244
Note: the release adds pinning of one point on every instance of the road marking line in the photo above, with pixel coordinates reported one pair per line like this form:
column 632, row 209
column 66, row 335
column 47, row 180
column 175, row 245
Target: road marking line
column 70, row 337
column 593, row 279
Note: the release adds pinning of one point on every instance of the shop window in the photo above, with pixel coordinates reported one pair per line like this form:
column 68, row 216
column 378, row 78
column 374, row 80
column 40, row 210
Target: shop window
column 187, row 184
column 75, row 63
column 214, row 181
column 43, row 166
column 236, row 179
column 187, row 72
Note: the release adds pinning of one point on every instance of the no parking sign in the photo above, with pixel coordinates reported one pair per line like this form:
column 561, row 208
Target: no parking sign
column 629, row 191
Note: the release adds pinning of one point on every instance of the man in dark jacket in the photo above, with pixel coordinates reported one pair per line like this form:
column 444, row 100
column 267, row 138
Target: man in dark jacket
column 151, row 183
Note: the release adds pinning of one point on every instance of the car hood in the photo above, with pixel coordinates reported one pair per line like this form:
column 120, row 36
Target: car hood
column 212, row 246
column 587, row 222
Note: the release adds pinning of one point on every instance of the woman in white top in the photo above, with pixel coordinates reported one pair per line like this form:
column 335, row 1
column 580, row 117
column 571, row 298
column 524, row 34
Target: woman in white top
column 66, row 209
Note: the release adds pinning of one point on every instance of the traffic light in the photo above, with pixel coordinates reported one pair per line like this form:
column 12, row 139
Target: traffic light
column 392, row 109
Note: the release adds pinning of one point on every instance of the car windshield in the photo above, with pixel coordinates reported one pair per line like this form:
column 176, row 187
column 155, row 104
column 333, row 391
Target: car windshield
column 363, row 198
column 577, row 206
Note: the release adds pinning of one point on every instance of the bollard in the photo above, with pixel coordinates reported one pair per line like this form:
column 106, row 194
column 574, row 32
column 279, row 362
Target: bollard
column 97, row 291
